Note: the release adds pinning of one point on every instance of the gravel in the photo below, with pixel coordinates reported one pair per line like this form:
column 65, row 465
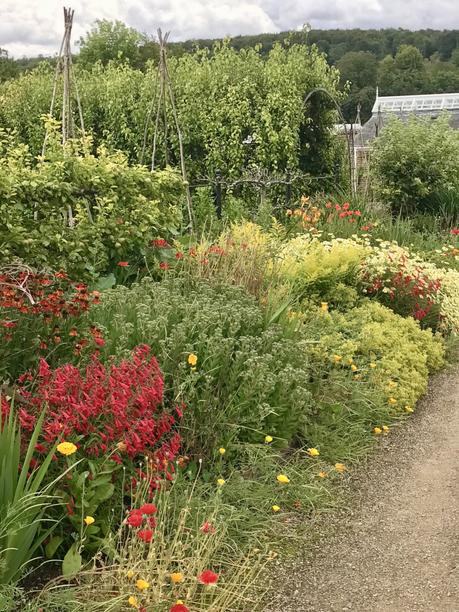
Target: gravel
column 396, row 547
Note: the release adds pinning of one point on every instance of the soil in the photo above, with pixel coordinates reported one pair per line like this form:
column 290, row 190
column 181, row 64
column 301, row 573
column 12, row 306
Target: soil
column 396, row 547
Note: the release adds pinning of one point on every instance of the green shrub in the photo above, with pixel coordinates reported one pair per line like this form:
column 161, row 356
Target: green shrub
column 401, row 354
column 415, row 164
column 249, row 380
column 310, row 267
column 80, row 212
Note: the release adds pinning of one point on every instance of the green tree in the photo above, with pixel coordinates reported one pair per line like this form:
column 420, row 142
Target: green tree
column 358, row 67
column 403, row 74
column 111, row 41
column 8, row 68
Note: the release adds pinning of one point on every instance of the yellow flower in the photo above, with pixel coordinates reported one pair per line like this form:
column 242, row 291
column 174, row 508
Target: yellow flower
column 276, row 508
column 313, row 452
column 409, row 409
column 66, row 448
column 268, row 439
column 392, row 401
column 142, row 585
column 192, row 359
column 357, row 377
column 350, row 361
column 89, row 520
column 177, row 577
column 385, row 429
column 391, row 384
column 372, row 365
column 283, row 479
column 354, row 368
column 324, row 306
column 130, row 574
column 337, row 358
column 221, row 482
column 132, row 601
column 377, row 431
column 323, row 474
column 222, row 450
column 340, row 467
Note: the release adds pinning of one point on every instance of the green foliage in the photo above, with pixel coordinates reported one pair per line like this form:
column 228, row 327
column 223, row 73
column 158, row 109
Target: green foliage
column 248, row 381
column 110, row 41
column 81, row 212
column 23, row 499
column 370, row 333
column 415, row 164
column 311, row 267
column 222, row 96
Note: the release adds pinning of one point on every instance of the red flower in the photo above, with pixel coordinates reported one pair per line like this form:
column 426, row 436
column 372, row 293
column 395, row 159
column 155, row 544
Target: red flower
column 134, row 519
column 164, row 265
column 9, row 324
column 145, row 534
column 160, row 243
column 123, row 264
column 179, row 255
column 207, row 527
column 148, row 509
column 208, row 577
column 179, row 608
column 346, row 206
column 455, row 232
column 99, row 341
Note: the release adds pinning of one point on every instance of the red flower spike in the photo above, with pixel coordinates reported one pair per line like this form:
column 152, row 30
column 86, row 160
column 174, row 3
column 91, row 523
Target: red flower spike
column 208, row 577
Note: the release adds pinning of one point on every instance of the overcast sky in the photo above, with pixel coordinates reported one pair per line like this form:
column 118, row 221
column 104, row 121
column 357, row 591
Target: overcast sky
column 30, row 27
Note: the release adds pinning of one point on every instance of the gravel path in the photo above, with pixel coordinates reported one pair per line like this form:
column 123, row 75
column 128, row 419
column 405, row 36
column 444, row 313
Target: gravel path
column 396, row 548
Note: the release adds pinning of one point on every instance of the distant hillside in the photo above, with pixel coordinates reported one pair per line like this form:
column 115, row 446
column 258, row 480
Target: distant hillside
column 336, row 43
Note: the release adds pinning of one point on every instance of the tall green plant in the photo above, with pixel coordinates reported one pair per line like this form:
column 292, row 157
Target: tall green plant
column 23, row 499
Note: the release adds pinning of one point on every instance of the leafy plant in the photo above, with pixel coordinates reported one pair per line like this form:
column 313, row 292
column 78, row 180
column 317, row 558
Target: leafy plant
column 247, row 378
column 415, row 165
column 24, row 497
column 81, row 212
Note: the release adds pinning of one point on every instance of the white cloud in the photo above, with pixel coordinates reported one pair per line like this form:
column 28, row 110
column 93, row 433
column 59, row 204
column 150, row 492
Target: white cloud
column 28, row 27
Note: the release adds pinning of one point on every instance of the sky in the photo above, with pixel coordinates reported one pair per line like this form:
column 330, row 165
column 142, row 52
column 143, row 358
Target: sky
column 32, row 27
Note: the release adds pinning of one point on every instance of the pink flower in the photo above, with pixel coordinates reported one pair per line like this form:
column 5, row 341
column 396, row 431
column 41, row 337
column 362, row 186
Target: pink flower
column 207, row 527
column 123, row 264
column 455, row 232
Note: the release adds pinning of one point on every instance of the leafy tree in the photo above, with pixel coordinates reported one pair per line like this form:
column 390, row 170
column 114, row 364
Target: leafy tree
column 358, row 67
column 403, row 74
column 111, row 41
column 8, row 67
